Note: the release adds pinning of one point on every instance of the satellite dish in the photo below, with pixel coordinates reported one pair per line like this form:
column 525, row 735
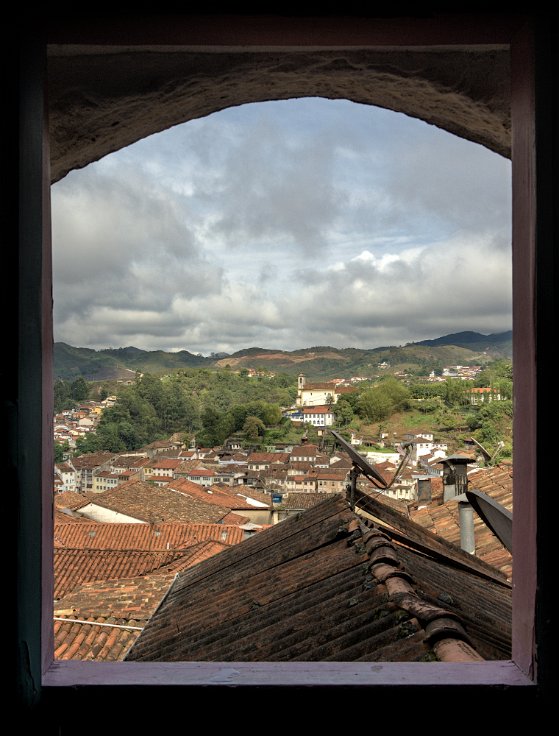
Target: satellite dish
column 358, row 460
column 495, row 515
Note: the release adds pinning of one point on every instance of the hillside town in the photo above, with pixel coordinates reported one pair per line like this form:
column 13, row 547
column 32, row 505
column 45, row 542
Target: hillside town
column 127, row 524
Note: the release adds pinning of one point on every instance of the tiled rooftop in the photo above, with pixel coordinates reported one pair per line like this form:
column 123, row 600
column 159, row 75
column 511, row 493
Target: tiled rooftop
column 101, row 638
column 70, row 500
column 153, row 504
column 443, row 519
column 165, row 536
column 100, row 620
column 219, row 496
column 295, row 500
column 325, row 585
column 92, row 460
column 66, row 516
column 268, row 457
column 72, row 567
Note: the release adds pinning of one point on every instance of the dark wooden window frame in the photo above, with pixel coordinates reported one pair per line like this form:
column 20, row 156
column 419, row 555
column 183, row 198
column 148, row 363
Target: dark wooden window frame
column 532, row 224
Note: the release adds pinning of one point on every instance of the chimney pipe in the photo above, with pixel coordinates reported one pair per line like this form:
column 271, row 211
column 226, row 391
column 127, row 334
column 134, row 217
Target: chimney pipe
column 455, row 476
column 467, row 535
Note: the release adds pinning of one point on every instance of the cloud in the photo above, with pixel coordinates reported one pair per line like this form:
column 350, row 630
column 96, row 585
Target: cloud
column 284, row 225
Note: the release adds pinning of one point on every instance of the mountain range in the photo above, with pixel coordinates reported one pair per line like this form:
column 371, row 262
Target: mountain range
column 461, row 348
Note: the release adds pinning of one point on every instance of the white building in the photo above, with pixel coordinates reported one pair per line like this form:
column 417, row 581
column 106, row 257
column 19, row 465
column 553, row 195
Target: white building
column 319, row 416
column 315, row 394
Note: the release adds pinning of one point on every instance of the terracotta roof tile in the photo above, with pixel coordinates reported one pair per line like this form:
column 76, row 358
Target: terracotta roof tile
column 220, row 496
column 152, row 504
column 299, row 501
column 233, row 518
column 92, row 460
column 443, row 518
column 98, row 638
column 70, row 500
column 66, row 516
column 163, row 537
column 376, row 599
column 72, row 567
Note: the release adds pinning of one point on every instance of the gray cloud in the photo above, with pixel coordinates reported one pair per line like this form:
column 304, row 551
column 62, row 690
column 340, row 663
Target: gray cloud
column 284, row 225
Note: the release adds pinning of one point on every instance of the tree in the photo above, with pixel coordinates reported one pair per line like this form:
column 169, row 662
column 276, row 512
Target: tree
column 492, row 423
column 374, row 405
column 59, row 451
column 79, row 390
column 396, row 391
column 253, row 427
column 212, row 428
column 455, row 393
column 343, row 413
column 62, row 398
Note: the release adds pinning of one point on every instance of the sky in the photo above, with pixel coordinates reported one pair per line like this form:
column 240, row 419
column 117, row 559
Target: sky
column 284, row 225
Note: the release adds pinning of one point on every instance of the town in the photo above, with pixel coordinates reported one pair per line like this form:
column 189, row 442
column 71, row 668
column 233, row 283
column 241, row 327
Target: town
column 126, row 523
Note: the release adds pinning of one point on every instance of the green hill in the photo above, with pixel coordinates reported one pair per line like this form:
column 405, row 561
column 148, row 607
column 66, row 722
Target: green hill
column 319, row 362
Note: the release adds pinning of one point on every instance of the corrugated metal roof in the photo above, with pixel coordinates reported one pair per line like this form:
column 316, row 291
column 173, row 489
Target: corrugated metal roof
column 322, row 586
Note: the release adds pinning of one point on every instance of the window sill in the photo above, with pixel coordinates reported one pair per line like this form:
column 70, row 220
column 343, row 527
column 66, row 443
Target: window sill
column 294, row 674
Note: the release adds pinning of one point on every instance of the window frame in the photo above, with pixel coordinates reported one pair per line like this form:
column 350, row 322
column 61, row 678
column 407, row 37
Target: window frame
column 38, row 671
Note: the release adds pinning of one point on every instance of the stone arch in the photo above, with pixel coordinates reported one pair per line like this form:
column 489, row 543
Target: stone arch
column 102, row 99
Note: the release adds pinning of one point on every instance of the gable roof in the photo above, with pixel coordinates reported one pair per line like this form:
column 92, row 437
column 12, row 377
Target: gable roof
column 324, row 585
column 150, row 503
column 222, row 496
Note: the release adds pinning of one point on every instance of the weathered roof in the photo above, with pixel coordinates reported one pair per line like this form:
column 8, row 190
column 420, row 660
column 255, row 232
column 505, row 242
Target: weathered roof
column 100, row 638
column 165, row 536
column 295, row 500
column 65, row 468
column 129, row 461
column 99, row 620
column 267, row 457
column 135, row 597
column 152, row 504
column 168, row 463
column 70, row 500
column 92, row 460
column 307, row 450
column 443, row 518
column 331, row 475
column 72, row 567
column 67, row 516
column 202, row 472
column 321, row 586
column 228, row 496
